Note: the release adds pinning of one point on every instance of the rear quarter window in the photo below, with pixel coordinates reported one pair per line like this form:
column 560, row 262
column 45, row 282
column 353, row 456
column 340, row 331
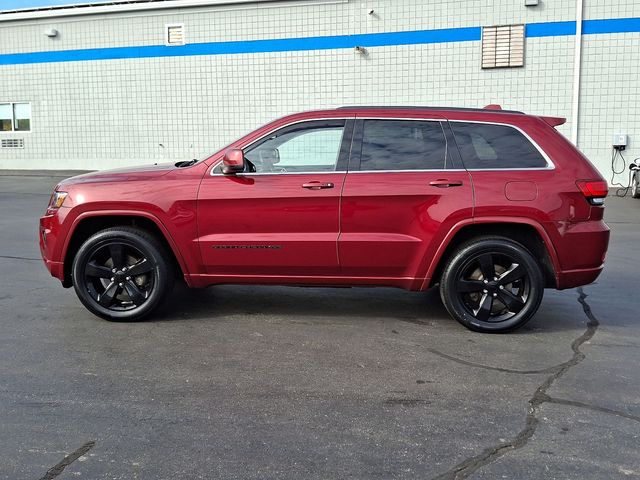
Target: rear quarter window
column 495, row 146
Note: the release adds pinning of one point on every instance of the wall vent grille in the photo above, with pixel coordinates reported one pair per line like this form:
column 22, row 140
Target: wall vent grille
column 174, row 34
column 12, row 143
column 503, row 46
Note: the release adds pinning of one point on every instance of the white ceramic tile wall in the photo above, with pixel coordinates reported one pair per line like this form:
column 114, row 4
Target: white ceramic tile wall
column 102, row 114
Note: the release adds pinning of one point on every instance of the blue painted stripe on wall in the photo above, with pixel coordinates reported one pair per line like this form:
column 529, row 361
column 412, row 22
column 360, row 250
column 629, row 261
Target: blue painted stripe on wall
column 418, row 37
column 611, row 25
column 550, row 29
column 249, row 46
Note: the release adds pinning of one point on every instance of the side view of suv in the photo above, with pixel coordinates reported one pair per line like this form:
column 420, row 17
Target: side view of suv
column 492, row 206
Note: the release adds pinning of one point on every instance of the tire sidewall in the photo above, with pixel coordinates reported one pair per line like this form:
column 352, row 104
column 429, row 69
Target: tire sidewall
column 455, row 305
column 150, row 251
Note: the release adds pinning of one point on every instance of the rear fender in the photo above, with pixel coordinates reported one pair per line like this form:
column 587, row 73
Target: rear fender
column 439, row 256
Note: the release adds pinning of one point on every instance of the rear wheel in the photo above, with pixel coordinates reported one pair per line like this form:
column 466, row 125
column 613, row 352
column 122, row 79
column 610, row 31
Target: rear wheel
column 122, row 274
column 492, row 284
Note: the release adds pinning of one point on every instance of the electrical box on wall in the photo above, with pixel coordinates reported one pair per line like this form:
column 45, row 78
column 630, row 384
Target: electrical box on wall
column 620, row 141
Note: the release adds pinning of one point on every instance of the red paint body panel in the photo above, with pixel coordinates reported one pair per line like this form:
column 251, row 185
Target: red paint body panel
column 398, row 219
column 378, row 228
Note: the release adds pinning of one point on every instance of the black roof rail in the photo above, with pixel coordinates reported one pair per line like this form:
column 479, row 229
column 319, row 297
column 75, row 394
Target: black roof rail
column 410, row 107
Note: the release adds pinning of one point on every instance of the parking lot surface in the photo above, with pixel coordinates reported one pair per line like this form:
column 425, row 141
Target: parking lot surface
column 242, row 382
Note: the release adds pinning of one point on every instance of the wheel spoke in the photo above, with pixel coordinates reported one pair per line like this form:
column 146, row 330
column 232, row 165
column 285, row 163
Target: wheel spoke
column 484, row 309
column 143, row 266
column 107, row 297
column 515, row 272
column 511, row 301
column 486, row 266
column 135, row 294
column 94, row 270
column 469, row 286
column 115, row 250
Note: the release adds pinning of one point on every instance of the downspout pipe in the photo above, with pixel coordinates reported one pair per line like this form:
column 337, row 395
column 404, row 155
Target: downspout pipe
column 577, row 64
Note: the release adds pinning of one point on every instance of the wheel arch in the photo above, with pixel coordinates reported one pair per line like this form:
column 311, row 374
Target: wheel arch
column 87, row 224
column 524, row 231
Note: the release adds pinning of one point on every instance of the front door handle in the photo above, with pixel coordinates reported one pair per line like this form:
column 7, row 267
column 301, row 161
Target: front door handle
column 444, row 183
column 317, row 185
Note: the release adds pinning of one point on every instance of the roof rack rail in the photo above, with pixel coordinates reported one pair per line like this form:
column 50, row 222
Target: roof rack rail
column 491, row 108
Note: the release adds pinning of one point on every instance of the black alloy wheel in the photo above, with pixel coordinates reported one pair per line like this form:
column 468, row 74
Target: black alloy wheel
column 122, row 274
column 492, row 284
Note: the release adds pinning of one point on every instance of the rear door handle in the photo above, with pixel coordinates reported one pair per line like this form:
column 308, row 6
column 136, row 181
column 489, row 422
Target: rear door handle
column 444, row 183
column 317, row 185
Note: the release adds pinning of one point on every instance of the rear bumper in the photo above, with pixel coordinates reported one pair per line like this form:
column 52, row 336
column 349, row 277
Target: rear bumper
column 581, row 249
column 577, row 278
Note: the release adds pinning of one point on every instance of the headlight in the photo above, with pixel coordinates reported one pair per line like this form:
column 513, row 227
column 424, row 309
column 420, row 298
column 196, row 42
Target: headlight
column 57, row 199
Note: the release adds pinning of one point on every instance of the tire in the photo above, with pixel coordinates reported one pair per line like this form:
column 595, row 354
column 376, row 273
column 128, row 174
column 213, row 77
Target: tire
column 635, row 186
column 492, row 285
column 122, row 274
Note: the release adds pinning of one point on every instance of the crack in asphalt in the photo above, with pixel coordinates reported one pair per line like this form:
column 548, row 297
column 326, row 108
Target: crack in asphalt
column 68, row 460
column 469, row 466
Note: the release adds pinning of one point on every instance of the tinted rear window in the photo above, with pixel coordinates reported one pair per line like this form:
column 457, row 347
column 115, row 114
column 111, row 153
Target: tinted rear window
column 495, row 146
column 402, row 145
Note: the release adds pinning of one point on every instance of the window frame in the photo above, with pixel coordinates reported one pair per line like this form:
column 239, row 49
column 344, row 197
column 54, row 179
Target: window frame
column 451, row 149
column 343, row 153
column 550, row 165
column 13, row 130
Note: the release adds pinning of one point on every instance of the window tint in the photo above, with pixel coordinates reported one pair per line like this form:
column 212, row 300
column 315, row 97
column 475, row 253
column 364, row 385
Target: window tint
column 402, row 145
column 314, row 149
column 495, row 146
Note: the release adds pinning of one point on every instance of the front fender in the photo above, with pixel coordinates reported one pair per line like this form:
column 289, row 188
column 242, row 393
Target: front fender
column 187, row 264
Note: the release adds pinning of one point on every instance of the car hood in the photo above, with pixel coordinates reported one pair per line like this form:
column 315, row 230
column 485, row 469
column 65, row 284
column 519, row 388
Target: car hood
column 142, row 172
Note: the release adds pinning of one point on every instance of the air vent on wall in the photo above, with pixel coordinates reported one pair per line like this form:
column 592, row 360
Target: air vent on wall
column 503, row 46
column 12, row 143
column 174, row 34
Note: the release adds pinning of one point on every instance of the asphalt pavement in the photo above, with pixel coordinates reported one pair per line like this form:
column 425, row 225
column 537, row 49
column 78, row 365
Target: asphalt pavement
column 243, row 382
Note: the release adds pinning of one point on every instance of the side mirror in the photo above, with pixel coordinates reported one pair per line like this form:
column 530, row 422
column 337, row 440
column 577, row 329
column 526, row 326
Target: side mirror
column 633, row 166
column 233, row 161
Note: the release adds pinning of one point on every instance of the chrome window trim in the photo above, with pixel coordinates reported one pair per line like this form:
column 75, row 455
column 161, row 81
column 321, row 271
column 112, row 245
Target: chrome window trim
column 409, row 171
column 550, row 164
column 250, row 144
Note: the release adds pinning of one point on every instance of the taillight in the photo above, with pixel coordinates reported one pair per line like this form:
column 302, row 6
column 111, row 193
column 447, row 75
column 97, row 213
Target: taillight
column 594, row 190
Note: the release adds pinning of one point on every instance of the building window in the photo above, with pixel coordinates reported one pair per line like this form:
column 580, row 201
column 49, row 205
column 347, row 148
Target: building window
column 503, row 46
column 15, row 117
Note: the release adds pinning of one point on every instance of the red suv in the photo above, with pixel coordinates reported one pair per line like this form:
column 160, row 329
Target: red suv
column 491, row 205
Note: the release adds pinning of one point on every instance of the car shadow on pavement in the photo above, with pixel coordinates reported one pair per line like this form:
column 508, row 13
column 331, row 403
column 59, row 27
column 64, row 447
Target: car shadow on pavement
column 338, row 305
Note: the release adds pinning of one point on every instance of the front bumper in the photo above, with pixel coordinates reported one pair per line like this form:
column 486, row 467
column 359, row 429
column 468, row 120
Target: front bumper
column 50, row 245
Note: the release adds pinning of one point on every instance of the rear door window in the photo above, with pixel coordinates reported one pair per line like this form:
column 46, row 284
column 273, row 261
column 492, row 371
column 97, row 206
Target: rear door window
column 402, row 145
column 495, row 146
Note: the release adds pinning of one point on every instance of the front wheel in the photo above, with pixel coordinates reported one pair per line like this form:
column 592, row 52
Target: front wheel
column 492, row 284
column 122, row 274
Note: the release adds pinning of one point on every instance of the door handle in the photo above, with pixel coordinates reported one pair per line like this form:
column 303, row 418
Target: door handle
column 317, row 185
column 444, row 183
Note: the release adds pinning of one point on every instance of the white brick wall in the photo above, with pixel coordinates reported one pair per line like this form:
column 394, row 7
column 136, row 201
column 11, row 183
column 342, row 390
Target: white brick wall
column 102, row 114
